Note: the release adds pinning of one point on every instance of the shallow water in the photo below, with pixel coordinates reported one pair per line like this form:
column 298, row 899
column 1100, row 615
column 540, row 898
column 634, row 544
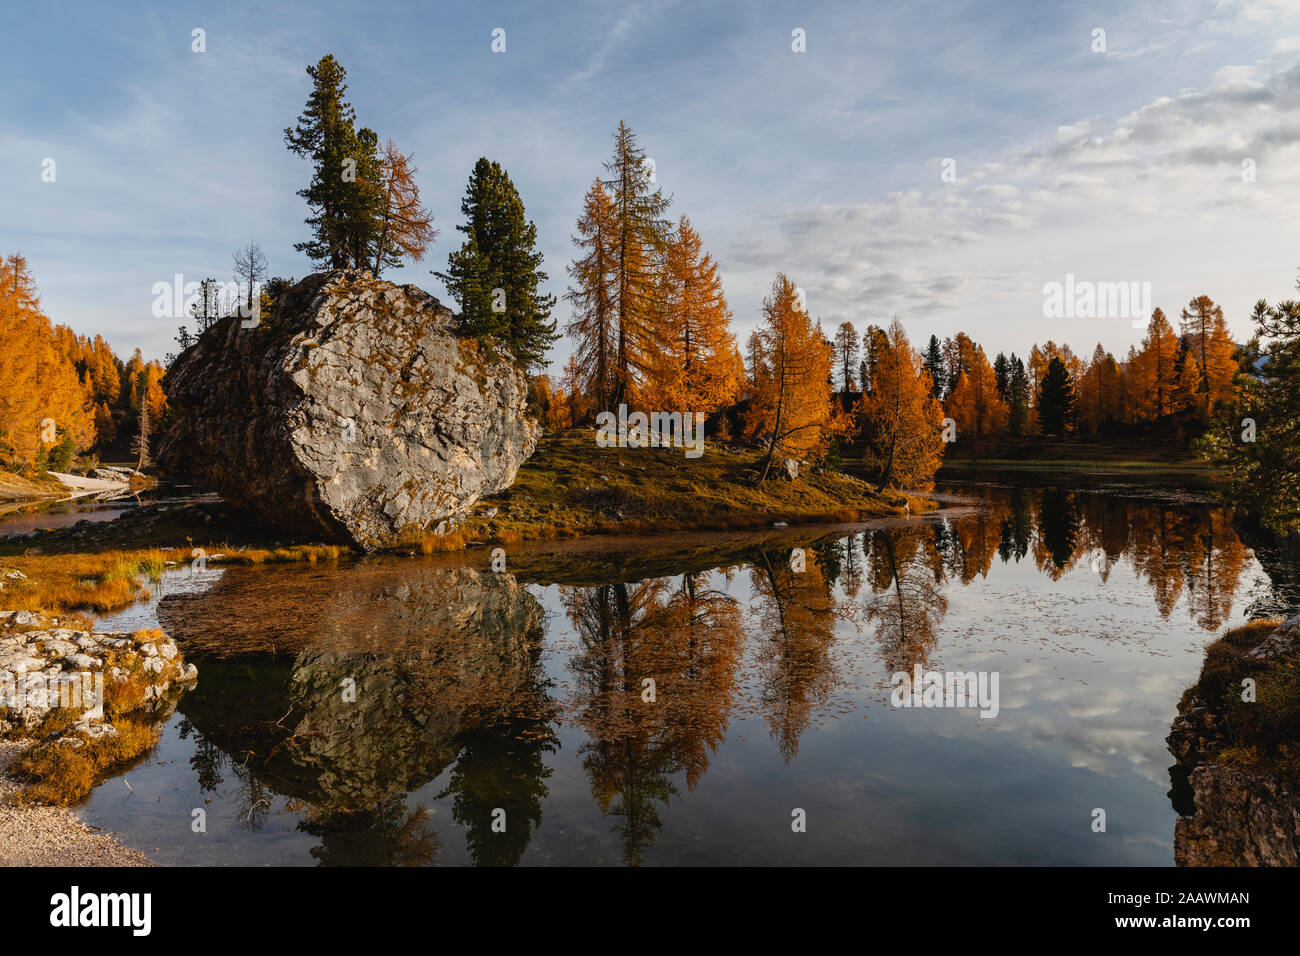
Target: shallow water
column 520, row 695
column 20, row 518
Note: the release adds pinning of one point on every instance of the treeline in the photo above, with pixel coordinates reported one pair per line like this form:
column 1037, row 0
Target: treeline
column 63, row 394
column 1179, row 380
column 651, row 327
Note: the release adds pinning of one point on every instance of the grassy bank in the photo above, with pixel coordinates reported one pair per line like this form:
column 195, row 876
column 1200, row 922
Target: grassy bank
column 571, row 487
column 568, row 488
column 1262, row 731
column 104, row 581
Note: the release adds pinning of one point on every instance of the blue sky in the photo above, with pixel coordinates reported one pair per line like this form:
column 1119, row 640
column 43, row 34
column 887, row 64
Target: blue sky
column 1122, row 165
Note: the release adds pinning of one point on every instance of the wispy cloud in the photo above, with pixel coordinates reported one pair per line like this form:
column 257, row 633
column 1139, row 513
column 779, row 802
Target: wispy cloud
column 824, row 164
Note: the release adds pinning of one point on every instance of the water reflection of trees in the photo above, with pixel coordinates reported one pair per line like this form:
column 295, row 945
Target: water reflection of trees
column 472, row 706
column 908, row 577
column 686, row 636
column 446, row 676
column 795, row 620
column 1181, row 549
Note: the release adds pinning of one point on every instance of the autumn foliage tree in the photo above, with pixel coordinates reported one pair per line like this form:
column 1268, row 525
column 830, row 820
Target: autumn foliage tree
column 1152, row 369
column 640, row 233
column 1099, row 392
column 974, row 405
column 694, row 368
column 789, row 409
column 650, row 324
column 903, row 419
column 43, row 400
column 594, row 326
column 1209, row 341
column 405, row 226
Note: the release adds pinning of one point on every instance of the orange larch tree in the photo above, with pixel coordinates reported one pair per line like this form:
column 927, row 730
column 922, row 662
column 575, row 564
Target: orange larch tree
column 974, row 404
column 904, row 421
column 1210, row 342
column 694, row 367
column 640, row 234
column 790, row 409
column 594, row 326
column 1153, row 372
column 405, row 226
column 42, row 398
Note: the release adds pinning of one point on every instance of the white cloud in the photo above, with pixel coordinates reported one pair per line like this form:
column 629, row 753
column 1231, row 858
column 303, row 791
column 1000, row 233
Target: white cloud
column 1155, row 195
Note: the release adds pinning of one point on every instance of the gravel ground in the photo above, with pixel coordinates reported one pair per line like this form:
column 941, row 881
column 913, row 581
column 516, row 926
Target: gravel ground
column 51, row 836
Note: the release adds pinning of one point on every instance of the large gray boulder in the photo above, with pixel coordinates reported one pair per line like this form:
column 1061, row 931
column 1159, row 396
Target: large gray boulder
column 352, row 412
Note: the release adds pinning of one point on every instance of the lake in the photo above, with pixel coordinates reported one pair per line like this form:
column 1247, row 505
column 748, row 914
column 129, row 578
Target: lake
column 22, row 518
column 415, row 711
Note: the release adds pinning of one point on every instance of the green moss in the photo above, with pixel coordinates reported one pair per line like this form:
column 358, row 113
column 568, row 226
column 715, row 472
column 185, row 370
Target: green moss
column 1259, row 731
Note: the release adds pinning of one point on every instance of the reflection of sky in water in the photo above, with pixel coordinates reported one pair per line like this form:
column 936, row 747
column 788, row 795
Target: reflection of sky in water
column 1090, row 677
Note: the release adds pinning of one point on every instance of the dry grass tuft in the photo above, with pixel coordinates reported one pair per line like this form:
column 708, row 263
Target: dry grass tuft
column 63, row 773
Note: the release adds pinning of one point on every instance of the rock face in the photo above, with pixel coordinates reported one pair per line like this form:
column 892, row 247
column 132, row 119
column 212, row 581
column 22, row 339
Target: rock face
column 352, row 412
column 1243, row 818
column 1239, row 815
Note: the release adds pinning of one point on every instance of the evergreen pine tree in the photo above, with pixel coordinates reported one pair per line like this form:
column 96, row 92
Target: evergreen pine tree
column 1263, row 474
column 934, row 365
column 1018, row 398
column 1057, row 411
column 495, row 274
column 1002, row 375
column 344, row 193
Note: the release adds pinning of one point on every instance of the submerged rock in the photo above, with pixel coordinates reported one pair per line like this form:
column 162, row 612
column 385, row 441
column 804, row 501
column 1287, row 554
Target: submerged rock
column 352, row 412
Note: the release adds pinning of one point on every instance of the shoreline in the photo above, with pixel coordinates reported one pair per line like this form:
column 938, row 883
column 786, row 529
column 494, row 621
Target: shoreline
column 39, row 835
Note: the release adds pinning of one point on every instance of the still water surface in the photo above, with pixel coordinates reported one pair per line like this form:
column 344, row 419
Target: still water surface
column 523, row 692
